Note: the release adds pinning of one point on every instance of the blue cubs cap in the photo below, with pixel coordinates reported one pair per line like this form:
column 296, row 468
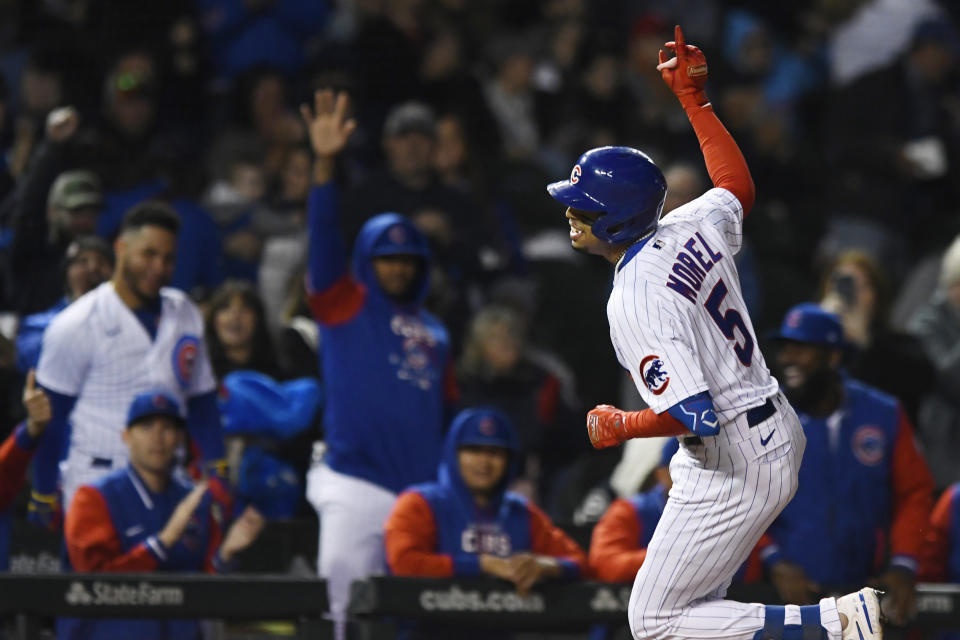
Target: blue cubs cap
column 485, row 426
column 154, row 403
column 810, row 324
column 398, row 237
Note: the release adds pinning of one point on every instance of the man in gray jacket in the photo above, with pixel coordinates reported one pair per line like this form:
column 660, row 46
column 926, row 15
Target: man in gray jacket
column 937, row 325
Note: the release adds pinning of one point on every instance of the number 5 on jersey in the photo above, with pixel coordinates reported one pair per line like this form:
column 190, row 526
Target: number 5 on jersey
column 729, row 320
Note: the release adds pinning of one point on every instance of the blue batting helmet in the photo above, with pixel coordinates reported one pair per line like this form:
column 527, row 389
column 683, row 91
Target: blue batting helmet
column 620, row 181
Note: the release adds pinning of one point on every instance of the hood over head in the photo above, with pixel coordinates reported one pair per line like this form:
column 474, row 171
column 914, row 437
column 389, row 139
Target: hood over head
column 390, row 234
column 486, row 426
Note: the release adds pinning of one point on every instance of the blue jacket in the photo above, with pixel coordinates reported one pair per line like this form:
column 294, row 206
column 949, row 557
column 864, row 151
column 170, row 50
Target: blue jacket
column 384, row 363
column 436, row 529
column 112, row 526
column 863, row 487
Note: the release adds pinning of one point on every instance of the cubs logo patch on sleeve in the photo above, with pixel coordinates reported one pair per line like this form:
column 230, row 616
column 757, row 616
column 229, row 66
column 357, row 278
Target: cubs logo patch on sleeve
column 654, row 374
column 184, row 359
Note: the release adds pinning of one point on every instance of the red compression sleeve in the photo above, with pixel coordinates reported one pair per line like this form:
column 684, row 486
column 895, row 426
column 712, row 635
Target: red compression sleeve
column 725, row 163
column 648, row 424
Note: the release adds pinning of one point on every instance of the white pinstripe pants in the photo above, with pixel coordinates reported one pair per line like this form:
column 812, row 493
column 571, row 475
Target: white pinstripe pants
column 352, row 513
column 725, row 494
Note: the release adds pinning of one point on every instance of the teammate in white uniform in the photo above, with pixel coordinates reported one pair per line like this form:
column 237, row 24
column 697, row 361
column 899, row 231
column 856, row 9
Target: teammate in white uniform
column 680, row 327
column 128, row 335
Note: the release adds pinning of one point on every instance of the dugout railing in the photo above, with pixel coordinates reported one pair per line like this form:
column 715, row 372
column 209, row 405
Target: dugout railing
column 30, row 602
column 572, row 607
column 379, row 603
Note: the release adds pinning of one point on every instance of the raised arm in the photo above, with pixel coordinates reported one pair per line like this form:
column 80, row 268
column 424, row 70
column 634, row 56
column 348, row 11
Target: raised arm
column 333, row 296
column 30, row 200
column 686, row 75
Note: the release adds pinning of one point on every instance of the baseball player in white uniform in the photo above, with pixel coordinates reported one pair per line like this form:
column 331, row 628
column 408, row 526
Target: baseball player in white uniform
column 128, row 335
column 680, row 327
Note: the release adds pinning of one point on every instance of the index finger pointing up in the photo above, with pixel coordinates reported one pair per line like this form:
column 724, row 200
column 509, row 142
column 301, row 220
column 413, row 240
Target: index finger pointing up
column 678, row 38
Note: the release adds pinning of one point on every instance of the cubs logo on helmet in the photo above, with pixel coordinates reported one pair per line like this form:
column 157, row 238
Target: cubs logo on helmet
column 654, row 375
column 623, row 183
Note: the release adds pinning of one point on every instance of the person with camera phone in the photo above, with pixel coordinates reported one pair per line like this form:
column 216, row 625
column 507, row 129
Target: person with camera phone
column 856, row 288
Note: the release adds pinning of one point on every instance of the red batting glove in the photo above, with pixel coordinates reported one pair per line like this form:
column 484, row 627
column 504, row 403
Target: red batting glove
column 605, row 426
column 686, row 74
column 608, row 426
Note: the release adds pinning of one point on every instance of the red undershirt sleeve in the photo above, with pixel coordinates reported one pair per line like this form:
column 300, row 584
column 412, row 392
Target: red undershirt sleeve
column 725, row 163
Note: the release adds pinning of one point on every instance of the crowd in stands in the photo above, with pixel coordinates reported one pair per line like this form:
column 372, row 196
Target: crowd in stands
column 327, row 222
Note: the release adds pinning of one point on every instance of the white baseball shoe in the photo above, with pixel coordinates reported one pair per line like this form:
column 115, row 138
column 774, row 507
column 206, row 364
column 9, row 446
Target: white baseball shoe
column 862, row 609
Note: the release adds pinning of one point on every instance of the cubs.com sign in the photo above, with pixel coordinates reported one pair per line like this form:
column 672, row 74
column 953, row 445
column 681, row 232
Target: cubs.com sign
column 457, row 599
column 123, row 594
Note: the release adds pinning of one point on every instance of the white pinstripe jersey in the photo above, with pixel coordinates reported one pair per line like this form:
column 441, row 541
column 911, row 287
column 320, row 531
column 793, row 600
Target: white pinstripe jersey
column 677, row 317
column 98, row 351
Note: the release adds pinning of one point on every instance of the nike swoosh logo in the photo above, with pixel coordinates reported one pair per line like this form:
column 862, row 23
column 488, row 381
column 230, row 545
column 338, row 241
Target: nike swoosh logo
column 134, row 530
column 764, row 441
